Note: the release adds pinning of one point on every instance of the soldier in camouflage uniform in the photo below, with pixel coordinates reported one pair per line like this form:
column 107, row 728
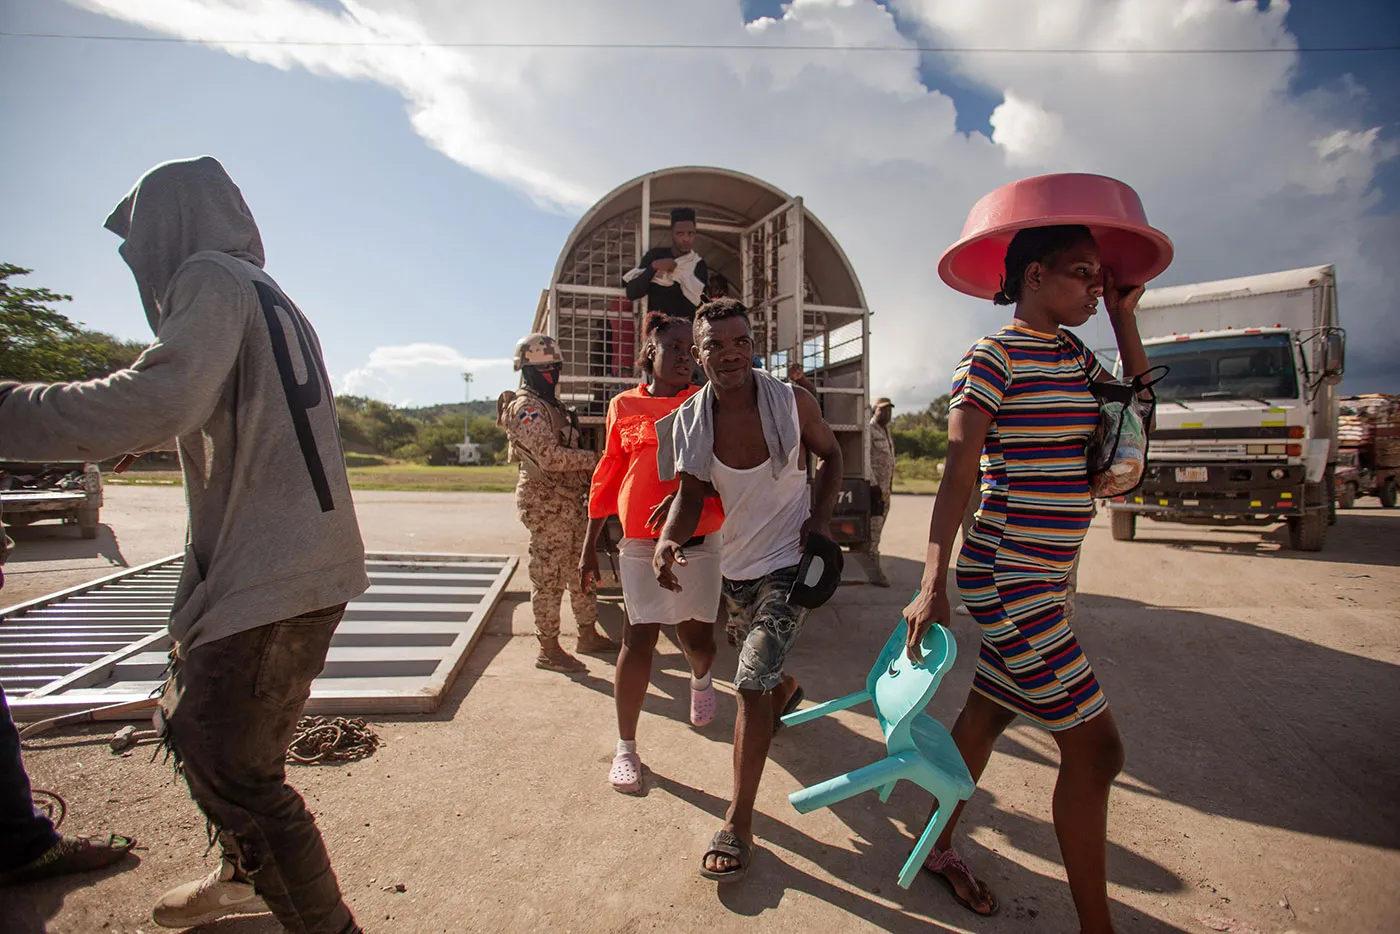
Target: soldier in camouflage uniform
column 550, row 498
column 882, row 467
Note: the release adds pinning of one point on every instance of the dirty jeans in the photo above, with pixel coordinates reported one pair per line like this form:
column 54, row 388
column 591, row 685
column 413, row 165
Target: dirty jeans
column 25, row 834
column 763, row 626
column 231, row 708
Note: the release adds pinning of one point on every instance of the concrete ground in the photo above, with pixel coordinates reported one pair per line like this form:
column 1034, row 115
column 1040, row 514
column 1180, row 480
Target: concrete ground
column 1257, row 690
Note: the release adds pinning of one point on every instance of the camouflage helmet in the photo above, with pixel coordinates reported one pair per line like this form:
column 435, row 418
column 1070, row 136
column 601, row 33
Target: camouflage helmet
column 537, row 350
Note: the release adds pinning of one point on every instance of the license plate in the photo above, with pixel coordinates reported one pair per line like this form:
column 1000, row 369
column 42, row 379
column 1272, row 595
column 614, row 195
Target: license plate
column 1191, row 475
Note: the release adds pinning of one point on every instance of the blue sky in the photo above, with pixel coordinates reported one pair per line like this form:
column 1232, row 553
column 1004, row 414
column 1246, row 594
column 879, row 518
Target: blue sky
column 380, row 238
column 388, row 243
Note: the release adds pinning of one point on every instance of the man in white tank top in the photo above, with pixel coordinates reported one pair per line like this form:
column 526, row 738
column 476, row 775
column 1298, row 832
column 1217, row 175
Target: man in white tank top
column 768, row 513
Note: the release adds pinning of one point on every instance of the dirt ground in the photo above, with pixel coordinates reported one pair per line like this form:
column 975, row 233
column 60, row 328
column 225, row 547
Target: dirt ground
column 1257, row 690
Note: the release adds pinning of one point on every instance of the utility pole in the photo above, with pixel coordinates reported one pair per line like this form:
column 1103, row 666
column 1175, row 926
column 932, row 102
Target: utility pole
column 467, row 417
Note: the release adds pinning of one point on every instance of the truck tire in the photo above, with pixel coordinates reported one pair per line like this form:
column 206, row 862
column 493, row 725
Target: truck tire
column 1308, row 532
column 1346, row 496
column 1124, row 525
column 87, row 523
column 1387, row 494
column 1330, row 486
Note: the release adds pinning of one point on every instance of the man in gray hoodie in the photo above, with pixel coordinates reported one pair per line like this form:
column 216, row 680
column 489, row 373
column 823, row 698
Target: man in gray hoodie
column 273, row 553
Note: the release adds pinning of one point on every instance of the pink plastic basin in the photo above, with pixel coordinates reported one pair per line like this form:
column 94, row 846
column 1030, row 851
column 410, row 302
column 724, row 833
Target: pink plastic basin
column 1132, row 248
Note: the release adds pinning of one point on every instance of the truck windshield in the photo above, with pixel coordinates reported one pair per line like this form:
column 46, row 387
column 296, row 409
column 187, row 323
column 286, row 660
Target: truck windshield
column 1257, row 366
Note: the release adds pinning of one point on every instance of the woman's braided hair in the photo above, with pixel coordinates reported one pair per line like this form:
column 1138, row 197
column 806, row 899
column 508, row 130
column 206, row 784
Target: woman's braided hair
column 1035, row 245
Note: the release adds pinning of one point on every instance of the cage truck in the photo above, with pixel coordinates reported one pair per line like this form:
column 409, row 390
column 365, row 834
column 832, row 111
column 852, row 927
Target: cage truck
column 804, row 300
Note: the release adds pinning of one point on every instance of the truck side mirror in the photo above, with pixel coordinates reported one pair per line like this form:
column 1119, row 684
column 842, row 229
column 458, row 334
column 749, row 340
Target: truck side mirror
column 1334, row 355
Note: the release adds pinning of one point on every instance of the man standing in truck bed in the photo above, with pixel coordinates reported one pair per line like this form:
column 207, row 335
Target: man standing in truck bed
column 672, row 278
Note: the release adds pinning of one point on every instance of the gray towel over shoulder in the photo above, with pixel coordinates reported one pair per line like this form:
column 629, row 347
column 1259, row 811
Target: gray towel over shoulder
column 686, row 437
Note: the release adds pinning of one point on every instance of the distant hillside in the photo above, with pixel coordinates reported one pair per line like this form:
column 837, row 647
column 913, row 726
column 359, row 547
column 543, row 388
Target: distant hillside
column 429, row 434
column 431, row 413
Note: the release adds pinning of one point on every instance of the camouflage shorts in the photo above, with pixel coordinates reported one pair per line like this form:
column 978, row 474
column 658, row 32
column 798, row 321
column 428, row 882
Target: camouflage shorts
column 763, row 625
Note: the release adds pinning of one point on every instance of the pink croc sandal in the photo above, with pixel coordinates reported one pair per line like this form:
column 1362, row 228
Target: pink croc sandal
column 702, row 706
column 940, row 862
column 626, row 773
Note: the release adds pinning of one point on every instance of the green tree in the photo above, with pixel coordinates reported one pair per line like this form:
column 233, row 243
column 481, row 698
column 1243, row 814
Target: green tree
column 938, row 411
column 920, row 442
column 436, row 441
column 368, row 426
column 102, row 354
column 35, row 340
column 491, row 437
column 352, row 432
column 39, row 344
column 935, row 416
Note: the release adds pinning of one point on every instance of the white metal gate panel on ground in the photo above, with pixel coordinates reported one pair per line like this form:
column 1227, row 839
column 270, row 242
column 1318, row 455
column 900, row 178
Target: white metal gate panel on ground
column 397, row 650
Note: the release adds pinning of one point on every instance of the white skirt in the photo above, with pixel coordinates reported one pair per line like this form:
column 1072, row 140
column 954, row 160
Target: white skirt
column 649, row 603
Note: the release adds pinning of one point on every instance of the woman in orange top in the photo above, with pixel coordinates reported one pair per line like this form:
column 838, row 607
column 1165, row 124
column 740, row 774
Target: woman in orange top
column 626, row 483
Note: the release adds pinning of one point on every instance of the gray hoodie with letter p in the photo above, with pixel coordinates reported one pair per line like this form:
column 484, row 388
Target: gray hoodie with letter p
column 235, row 375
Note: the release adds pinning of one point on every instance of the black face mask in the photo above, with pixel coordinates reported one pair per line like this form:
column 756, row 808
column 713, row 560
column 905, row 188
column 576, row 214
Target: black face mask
column 542, row 381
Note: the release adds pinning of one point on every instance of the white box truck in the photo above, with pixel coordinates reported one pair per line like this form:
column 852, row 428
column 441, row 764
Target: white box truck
column 1246, row 423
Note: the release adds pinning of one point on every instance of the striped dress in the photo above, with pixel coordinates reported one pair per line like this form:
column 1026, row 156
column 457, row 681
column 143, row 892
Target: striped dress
column 1035, row 509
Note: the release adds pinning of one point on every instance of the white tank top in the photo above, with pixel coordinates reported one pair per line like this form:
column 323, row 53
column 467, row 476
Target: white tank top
column 763, row 515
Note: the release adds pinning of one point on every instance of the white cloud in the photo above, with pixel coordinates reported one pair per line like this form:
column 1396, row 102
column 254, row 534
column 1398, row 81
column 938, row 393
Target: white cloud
column 1027, row 131
column 423, row 373
column 1243, row 174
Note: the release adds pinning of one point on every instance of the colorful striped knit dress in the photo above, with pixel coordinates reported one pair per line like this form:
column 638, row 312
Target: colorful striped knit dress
column 1035, row 511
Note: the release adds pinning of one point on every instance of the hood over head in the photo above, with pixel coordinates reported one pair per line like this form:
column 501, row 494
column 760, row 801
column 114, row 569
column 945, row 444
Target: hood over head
column 176, row 210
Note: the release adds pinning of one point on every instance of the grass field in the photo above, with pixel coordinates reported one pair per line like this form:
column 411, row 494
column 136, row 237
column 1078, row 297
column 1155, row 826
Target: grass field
column 911, row 475
column 143, row 478
column 410, row 477
column 916, row 475
column 420, row 477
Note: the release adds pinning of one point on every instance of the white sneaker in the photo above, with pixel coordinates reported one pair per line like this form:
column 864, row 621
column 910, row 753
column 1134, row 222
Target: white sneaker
column 962, row 610
column 215, row 896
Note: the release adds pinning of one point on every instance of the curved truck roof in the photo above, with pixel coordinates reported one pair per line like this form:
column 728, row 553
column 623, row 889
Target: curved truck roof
column 740, row 198
column 1289, row 280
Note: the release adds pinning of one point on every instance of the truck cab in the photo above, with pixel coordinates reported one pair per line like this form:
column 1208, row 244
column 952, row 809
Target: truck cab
column 804, row 301
column 1246, row 421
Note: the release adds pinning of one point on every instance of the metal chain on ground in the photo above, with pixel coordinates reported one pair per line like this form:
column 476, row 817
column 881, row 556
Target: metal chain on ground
column 50, row 803
column 332, row 739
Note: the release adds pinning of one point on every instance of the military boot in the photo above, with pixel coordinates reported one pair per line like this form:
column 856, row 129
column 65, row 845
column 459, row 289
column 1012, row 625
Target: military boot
column 552, row 657
column 877, row 572
column 593, row 642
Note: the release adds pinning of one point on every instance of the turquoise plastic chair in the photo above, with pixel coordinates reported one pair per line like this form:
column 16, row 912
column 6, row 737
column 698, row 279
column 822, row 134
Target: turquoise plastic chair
column 919, row 749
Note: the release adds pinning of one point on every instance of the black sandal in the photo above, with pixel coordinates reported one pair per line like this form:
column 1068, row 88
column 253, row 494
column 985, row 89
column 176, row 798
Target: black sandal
column 724, row 843
column 789, row 707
